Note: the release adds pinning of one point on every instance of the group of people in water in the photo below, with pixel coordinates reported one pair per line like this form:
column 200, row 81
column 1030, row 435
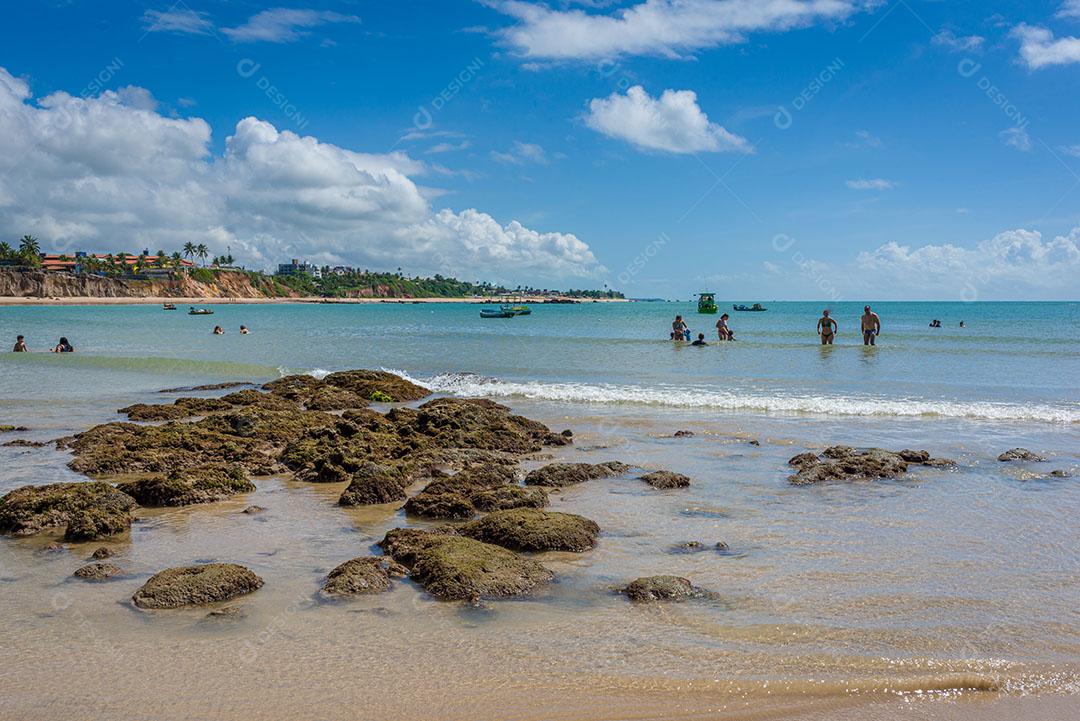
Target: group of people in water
column 827, row 328
column 218, row 330
column 63, row 346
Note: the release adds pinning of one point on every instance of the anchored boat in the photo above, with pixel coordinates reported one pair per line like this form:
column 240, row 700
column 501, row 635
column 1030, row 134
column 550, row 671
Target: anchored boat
column 707, row 303
column 493, row 313
column 756, row 307
column 200, row 311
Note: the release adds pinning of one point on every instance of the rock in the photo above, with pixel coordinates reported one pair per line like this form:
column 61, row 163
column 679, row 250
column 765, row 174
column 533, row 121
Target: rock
column 754, row 442
column 721, row 546
column 507, row 497
column 403, row 544
column 440, row 505
column 665, row 479
column 366, row 382
column 88, row 510
column 208, row 387
column 371, row 484
column 558, row 475
column 12, row 429
column 688, row 547
column 1020, row 454
column 452, row 567
column 366, row 574
column 683, row 434
column 380, row 397
column 102, row 552
column 196, row 585
column 662, row 588
column 529, row 529
column 24, row 443
column 330, row 398
column 252, row 510
column 475, row 423
column 97, row 571
column 1059, row 473
column 55, row 548
column 249, row 397
column 184, row 487
column 843, row 463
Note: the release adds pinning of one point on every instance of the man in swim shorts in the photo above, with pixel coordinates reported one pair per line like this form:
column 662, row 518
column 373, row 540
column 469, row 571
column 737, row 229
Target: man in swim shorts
column 826, row 328
column 20, row 345
column 871, row 326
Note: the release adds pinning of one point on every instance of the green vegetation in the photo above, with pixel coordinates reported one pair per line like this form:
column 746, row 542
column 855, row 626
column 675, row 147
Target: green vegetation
column 370, row 284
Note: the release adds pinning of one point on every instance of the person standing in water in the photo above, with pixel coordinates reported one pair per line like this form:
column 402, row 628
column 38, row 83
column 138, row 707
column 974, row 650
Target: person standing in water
column 679, row 328
column 826, row 328
column 63, row 347
column 722, row 329
column 20, row 345
column 871, row 326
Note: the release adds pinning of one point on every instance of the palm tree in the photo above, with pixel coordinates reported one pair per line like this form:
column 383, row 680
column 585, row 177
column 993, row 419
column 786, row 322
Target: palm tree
column 29, row 248
column 5, row 251
column 189, row 249
column 202, row 251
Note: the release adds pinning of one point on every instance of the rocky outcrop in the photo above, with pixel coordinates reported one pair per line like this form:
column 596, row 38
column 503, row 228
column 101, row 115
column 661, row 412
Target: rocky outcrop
column 559, row 475
column 97, row 571
column 364, row 383
column 85, row 510
column 662, row 588
column 484, row 488
column 843, row 463
column 665, row 479
column 1020, row 454
column 367, row 574
column 372, row 484
column 222, row 284
column 196, row 585
column 529, row 529
column 183, row 487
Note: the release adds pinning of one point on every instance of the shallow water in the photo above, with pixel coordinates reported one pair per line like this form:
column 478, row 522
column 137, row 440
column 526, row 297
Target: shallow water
column 929, row 594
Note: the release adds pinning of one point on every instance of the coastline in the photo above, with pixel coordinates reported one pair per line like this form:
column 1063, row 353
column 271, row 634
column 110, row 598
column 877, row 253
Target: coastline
column 179, row 301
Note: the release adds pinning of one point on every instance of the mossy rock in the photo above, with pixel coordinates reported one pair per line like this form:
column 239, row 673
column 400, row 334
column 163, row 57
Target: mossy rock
column 380, row 397
column 367, row 574
column 373, row 484
column 251, row 397
column 506, row 497
column 1020, row 454
column 155, row 412
column 440, row 505
column 97, row 571
column 331, row 398
column 196, row 585
column 844, row 463
column 293, row 386
column 86, row 510
column 366, row 382
column 530, row 529
column 666, row 479
column 559, row 475
column 662, row 588
column 183, row 487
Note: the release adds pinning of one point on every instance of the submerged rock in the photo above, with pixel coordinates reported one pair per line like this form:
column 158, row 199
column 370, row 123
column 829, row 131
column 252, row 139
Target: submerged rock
column 372, row 484
column 367, row 574
column 12, row 429
column 529, row 529
column 1020, row 454
column 196, row 585
column 252, row 510
column 844, row 463
column 184, row 487
column 683, row 434
column 87, row 510
column 97, row 571
column 662, row 588
column 665, row 479
column 558, row 475
column 102, row 552
column 24, row 443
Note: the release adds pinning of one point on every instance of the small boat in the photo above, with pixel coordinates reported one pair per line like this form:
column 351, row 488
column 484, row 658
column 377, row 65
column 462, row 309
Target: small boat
column 707, row 303
column 200, row 311
column 517, row 309
column 756, row 307
column 493, row 313
column 168, row 306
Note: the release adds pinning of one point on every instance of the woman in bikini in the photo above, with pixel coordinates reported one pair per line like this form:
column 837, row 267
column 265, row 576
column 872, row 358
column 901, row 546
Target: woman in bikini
column 826, row 328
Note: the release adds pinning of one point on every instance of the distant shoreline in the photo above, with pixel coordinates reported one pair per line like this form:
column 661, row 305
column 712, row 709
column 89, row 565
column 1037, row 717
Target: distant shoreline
column 98, row 300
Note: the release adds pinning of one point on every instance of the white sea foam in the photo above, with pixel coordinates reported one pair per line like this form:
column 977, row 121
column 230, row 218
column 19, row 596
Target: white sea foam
column 467, row 384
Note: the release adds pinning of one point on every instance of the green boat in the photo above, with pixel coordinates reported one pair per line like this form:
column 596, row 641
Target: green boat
column 517, row 309
column 756, row 307
column 707, row 303
column 493, row 313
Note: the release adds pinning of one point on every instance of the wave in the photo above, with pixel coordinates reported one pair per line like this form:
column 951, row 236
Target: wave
column 468, row 384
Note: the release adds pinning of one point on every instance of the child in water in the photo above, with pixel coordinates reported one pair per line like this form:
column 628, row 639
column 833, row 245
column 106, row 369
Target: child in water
column 218, row 330
column 700, row 340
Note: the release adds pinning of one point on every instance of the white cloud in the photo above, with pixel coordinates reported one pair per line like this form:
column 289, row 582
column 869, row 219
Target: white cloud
column 870, row 184
column 284, row 25
column 177, row 20
column 1039, row 48
column 672, row 123
column 1073, row 150
column 865, row 139
column 669, row 28
column 961, row 43
column 1011, row 264
column 446, row 147
column 521, row 153
column 1016, row 138
column 110, row 173
column 1069, row 9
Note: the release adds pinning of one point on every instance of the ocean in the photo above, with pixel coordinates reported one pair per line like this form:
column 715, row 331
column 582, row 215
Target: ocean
column 935, row 593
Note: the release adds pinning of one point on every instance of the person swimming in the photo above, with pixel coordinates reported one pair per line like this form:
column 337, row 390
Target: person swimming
column 700, row 340
column 243, row 330
column 20, row 345
column 63, row 346
column 679, row 329
column 826, row 328
column 935, row 323
column 218, row 330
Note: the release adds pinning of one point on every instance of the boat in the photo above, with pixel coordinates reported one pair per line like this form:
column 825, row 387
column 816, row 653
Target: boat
column 756, row 307
column 168, row 306
column 517, row 309
column 493, row 313
column 200, row 311
column 707, row 303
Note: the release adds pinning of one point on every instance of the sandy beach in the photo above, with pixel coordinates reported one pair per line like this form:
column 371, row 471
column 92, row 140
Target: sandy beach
column 195, row 301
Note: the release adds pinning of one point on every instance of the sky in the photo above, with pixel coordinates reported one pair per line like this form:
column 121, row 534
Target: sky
column 759, row 149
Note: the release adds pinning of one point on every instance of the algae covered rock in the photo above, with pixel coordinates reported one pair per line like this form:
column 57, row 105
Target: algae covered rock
column 558, row 475
column 530, row 529
column 844, row 463
column 183, row 487
column 96, row 571
column 86, row 510
column 662, row 588
column 367, row 574
column 666, row 479
column 365, row 383
column 102, row 552
column 372, row 484
column 1020, row 454
column 506, row 497
column 196, row 585
column 440, row 505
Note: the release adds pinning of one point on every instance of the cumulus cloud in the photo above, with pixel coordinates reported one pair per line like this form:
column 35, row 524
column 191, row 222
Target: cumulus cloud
column 1012, row 263
column 870, row 184
column 669, row 28
column 1039, row 48
column 672, row 123
column 110, row 173
column 1069, row 9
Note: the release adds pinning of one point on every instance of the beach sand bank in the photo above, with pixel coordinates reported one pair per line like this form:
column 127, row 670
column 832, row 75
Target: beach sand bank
column 86, row 300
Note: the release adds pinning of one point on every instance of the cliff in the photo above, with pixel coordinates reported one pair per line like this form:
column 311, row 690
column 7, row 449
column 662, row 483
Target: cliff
column 224, row 284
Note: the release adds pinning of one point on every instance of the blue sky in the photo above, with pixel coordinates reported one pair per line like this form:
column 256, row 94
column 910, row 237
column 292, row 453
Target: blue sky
column 827, row 149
